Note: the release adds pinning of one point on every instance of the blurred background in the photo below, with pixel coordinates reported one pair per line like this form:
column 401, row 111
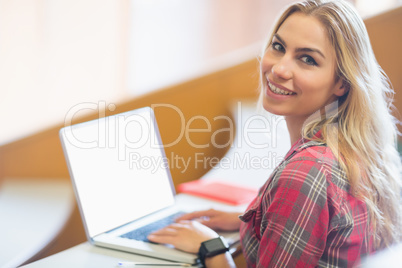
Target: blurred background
column 90, row 58
column 56, row 54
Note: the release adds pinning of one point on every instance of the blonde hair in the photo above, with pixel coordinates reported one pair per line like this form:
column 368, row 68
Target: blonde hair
column 362, row 131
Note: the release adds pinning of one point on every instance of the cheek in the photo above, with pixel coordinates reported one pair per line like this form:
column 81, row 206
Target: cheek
column 306, row 83
column 266, row 64
column 312, row 83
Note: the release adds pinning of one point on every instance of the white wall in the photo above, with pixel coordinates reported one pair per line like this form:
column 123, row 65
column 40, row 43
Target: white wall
column 55, row 54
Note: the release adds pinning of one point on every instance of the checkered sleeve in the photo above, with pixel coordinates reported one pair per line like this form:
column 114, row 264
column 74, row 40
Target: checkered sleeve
column 296, row 219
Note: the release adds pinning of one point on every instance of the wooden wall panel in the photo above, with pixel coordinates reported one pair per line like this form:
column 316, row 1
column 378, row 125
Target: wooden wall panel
column 41, row 155
column 385, row 31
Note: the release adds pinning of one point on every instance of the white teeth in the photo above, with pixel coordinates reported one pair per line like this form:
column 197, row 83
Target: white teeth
column 278, row 90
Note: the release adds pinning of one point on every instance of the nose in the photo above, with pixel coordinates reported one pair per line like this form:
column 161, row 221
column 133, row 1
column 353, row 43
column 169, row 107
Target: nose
column 282, row 68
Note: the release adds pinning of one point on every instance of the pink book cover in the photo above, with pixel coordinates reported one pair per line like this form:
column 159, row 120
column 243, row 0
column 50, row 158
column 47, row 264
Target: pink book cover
column 230, row 193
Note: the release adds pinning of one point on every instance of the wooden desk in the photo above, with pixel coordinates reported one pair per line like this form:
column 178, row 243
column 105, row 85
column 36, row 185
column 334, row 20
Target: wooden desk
column 33, row 212
column 86, row 255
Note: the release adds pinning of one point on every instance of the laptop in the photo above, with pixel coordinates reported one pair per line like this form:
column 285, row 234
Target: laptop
column 122, row 182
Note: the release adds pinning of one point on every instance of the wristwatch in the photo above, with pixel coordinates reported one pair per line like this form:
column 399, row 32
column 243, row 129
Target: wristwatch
column 212, row 248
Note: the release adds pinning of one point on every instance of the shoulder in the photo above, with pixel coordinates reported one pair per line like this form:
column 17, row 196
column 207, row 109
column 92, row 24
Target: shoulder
column 312, row 164
column 310, row 157
column 314, row 152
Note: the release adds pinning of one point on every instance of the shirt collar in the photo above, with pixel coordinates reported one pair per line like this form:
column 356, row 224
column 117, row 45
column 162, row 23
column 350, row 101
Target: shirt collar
column 303, row 143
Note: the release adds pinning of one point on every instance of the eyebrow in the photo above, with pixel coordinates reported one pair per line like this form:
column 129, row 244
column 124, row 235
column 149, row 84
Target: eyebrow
column 302, row 49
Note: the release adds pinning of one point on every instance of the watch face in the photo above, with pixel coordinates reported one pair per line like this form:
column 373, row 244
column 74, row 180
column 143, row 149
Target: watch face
column 212, row 247
column 215, row 245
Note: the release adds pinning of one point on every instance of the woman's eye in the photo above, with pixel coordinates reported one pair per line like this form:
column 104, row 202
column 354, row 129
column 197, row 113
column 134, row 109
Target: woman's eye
column 308, row 60
column 278, row 47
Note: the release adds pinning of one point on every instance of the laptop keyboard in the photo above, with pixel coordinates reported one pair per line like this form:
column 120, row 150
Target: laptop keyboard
column 142, row 232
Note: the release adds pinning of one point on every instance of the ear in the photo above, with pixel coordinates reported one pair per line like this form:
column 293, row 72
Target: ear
column 341, row 88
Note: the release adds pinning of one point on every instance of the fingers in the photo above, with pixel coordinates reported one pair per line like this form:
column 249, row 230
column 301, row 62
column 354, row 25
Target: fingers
column 172, row 229
column 186, row 235
column 166, row 231
column 215, row 219
column 166, row 235
column 161, row 239
column 209, row 222
column 197, row 215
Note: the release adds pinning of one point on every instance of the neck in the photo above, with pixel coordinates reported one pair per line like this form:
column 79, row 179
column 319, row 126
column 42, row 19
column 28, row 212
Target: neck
column 294, row 125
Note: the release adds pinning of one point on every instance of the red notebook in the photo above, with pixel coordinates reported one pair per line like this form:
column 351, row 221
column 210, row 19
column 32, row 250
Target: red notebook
column 220, row 191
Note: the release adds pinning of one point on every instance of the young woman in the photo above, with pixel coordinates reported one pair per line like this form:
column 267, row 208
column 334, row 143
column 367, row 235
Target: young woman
column 336, row 196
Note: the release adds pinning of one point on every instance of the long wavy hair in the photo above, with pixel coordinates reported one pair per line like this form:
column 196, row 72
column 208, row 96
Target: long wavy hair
column 362, row 130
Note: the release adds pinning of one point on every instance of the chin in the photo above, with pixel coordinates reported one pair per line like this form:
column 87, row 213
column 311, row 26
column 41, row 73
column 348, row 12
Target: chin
column 270, row 108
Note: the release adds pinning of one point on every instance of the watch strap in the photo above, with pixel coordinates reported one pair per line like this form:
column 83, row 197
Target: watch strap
column 212, row 247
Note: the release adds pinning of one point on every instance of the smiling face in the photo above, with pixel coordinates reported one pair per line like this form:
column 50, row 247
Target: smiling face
column 298, row 69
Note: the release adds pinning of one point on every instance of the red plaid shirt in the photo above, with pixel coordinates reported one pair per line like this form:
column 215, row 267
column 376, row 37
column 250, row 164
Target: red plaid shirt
column 305, row 216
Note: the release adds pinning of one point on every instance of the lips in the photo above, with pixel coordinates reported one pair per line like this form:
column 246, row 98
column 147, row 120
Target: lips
column 275, row 89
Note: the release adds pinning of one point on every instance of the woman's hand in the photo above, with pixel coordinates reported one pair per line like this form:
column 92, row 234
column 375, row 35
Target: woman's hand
column 183, row 235
column 215, row 219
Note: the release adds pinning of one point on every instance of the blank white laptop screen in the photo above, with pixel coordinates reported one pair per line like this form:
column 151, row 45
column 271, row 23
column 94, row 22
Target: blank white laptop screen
column 119, row 169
